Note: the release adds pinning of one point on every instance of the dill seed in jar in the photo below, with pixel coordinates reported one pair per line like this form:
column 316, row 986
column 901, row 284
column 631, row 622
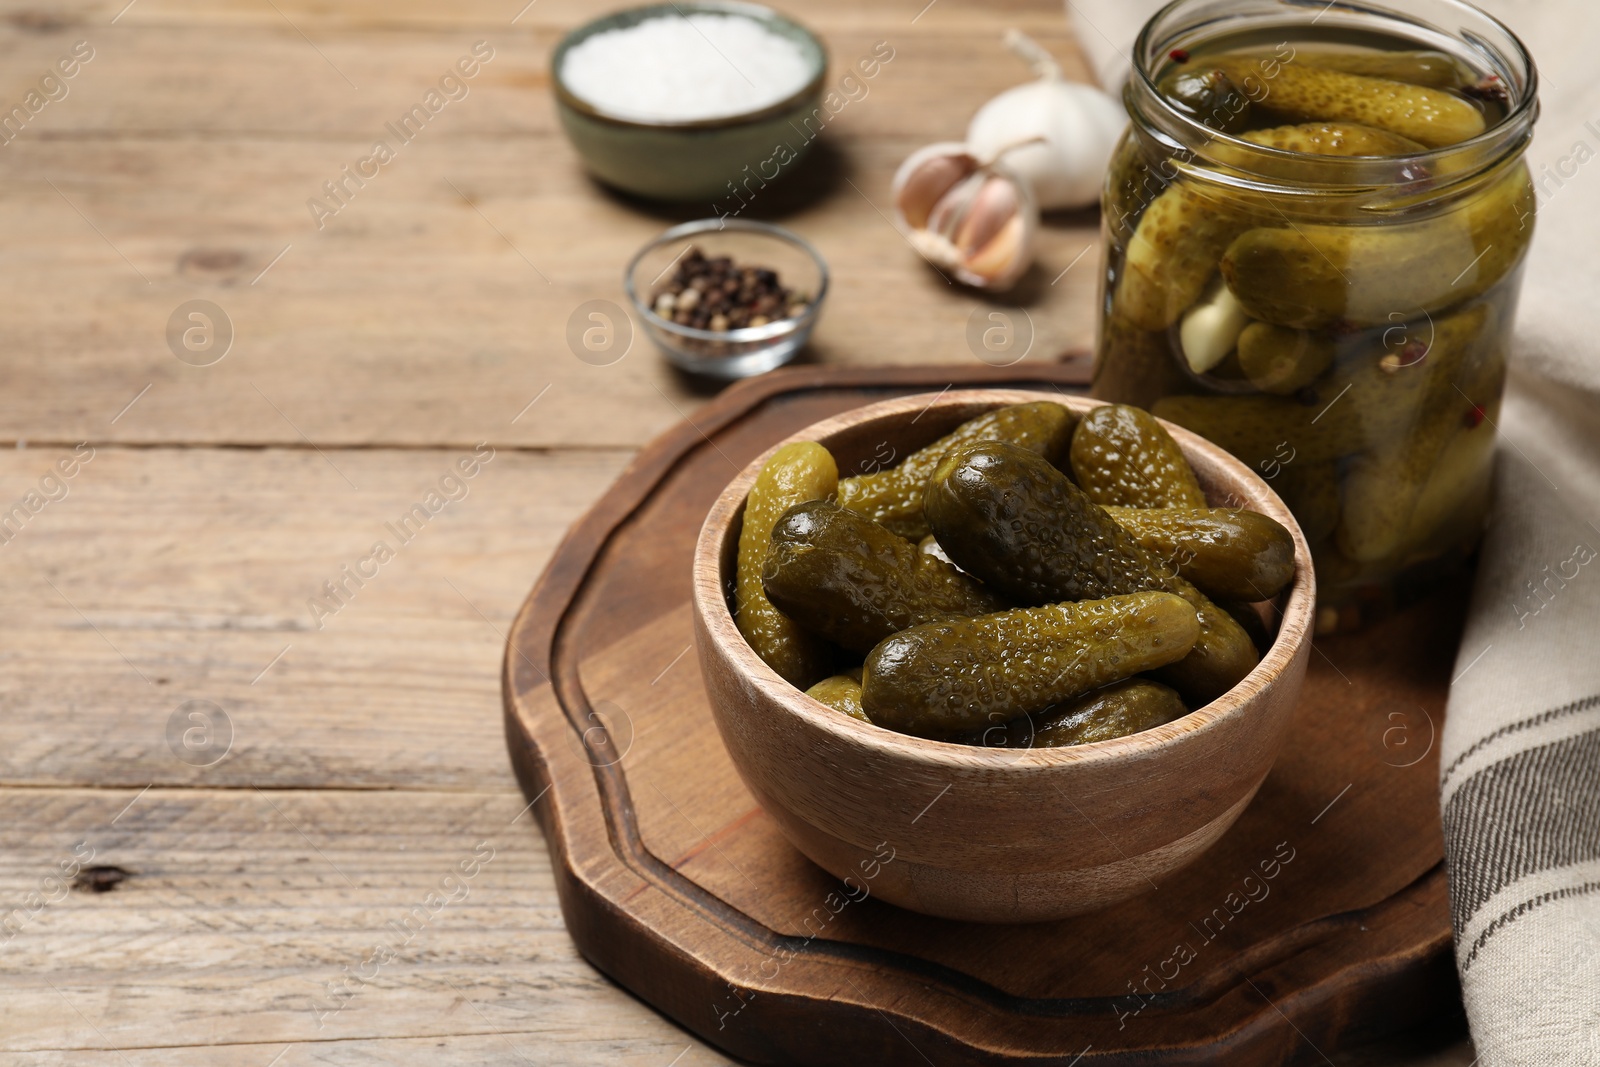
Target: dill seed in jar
column 684, row 68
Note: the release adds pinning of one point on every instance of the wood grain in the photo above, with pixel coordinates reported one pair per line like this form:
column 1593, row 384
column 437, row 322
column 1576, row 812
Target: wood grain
column 206, row 579
column 433, row 307
column 451, row 355
column 406, row 331
column 944, row 66
column 240, row 906
column 1356, row 941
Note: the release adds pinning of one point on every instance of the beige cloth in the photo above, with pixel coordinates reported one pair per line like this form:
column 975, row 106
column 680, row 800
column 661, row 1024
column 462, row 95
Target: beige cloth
column 1520, row 752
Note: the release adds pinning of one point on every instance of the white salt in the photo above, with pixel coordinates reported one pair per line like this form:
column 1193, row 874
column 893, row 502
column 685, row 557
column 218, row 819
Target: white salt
column 680, row 68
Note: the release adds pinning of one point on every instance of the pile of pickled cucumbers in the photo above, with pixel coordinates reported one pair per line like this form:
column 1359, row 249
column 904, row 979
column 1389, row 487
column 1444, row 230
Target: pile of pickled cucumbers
column 1028, row 580
column 1347, row 342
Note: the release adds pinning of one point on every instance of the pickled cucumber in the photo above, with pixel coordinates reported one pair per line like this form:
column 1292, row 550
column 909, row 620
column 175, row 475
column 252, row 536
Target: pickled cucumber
column 796, row 472
column 1261, row 429
column 1382, row 489
column 1277, row 359
column 1307, row 93
column 929, row 546
column 1314, row 275
column 1432, row 69
column 1250, row 621
column 1311, row 490
column 1409, row 371
column 1183, row 233
column 1135, row 366
column 1228, row 554
column 1208, row 96
column 1122, row 455
column 1409, row 407
column 1021, row 526
column 1377, row 498
column 893, row 497
column 1364, row 406
column 1115, row 710
column 1452, row 504
column 845, row 577
column 1174, row 252
column 1334, row 139
column 1483, row 377
column 841, row 693
column 943, row 678
column 1131, row 184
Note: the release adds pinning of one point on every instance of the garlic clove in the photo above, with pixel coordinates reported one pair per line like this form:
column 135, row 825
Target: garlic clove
column 950, row 213
column 992, row 206
column 982, row 226
column 926, row 176
column 936, row 249
column 1000, row 262
column 1211, row 327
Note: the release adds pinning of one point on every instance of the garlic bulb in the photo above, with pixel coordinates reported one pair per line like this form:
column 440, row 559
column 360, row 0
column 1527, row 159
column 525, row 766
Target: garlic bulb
column 1074, row 127
column 972, row 217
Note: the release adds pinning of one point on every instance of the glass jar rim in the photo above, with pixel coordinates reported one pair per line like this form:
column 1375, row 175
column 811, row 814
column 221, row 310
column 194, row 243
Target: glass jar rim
column 1262, row 166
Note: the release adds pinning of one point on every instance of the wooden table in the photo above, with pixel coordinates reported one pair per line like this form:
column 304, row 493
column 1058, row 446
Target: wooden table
column 293, row 828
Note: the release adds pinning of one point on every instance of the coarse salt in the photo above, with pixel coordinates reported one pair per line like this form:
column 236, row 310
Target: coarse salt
column 682, row 68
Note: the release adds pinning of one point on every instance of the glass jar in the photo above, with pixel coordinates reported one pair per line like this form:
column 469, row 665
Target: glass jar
column 1329, row 299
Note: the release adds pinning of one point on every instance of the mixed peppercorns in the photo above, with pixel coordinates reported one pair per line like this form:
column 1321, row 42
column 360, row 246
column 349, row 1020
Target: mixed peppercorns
column 715, row 293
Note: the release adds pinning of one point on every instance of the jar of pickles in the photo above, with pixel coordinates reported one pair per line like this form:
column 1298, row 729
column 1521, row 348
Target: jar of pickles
column 1315, row 226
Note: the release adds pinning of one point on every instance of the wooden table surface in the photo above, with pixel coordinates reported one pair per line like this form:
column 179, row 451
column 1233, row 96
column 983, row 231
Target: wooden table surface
column 293, row 830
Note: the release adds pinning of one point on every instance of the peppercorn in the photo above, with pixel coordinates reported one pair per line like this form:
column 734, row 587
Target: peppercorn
column 714, row 293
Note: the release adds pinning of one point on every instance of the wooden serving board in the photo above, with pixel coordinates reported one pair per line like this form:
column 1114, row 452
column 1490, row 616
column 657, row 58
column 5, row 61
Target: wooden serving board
column 1318, row 921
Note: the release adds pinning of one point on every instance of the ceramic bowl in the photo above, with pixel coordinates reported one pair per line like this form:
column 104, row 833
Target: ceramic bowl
column 993, row 835
column 730, row 353
column 710, row 160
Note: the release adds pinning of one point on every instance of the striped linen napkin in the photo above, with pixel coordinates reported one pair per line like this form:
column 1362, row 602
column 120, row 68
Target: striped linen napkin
column 1520, row 750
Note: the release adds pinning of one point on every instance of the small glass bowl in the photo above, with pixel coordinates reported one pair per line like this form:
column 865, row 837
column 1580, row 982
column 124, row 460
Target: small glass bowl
column 744, row 352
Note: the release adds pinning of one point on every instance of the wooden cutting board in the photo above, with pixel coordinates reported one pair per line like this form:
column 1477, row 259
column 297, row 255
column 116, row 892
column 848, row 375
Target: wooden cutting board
column 1318, row 921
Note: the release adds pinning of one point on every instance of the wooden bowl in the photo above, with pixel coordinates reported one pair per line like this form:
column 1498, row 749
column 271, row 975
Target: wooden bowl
column 992, row 835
